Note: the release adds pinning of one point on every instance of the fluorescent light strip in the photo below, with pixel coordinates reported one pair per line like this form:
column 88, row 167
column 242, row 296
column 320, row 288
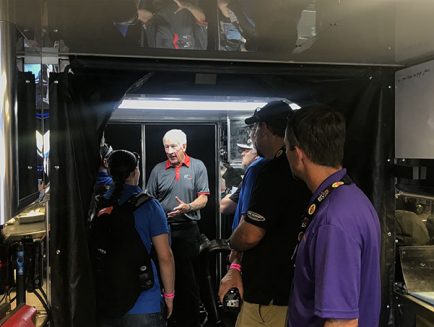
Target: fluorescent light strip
column 189, row 105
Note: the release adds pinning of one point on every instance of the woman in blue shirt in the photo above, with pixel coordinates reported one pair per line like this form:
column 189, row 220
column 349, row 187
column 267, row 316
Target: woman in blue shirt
column 151, row 224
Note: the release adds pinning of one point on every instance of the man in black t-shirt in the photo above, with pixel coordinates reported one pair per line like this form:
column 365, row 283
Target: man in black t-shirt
column 267, row 234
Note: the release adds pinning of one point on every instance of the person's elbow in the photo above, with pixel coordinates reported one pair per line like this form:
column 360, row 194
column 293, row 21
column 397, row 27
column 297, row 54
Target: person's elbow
column 227, row 206
column 244, row 243
column 165, row 257
column 246, row 236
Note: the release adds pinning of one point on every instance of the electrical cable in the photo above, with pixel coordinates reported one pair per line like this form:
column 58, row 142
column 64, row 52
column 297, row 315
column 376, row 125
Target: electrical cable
column 43, row 294
column 44, row 304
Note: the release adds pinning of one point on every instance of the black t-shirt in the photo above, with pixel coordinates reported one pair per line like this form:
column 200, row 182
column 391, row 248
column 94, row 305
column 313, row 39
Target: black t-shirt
column 276, row 205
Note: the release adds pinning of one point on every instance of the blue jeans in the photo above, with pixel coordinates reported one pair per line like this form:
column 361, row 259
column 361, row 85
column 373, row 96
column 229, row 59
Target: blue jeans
column 136, row 320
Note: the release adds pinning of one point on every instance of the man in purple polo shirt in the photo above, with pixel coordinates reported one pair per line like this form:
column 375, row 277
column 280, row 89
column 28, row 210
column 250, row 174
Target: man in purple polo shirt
column 181, row 185
column 337, row 262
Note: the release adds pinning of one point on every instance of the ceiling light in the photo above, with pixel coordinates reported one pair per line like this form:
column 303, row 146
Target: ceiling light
column 165, row 104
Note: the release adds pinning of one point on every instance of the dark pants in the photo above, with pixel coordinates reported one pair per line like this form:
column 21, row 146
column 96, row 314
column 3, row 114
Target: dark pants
column 137, row 320
column 185, row 247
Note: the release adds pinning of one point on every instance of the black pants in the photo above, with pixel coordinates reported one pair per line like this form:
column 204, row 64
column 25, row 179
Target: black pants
column 185, row 247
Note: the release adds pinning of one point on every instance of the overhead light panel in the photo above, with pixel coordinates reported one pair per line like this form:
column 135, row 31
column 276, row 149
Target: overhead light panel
column 176, row 104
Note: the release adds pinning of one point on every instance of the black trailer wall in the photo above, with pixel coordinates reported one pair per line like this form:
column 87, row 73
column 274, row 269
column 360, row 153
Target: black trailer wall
column 81, row 103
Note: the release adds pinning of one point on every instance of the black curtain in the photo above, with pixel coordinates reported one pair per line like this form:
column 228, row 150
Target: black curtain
column 27, row 179
column 81, row 104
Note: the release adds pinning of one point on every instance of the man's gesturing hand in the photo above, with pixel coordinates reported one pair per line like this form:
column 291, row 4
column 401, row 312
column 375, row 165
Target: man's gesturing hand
column 180, row 209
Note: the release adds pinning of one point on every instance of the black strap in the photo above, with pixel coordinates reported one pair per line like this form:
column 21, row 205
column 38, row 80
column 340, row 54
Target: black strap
column 137, row 200
column 133, row 203
column 313, row 208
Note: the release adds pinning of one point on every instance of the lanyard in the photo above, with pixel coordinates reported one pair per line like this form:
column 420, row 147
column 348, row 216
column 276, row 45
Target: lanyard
column 313, row 207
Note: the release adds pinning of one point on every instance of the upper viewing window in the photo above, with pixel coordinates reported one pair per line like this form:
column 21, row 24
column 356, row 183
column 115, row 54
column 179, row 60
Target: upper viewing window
column 245, row 30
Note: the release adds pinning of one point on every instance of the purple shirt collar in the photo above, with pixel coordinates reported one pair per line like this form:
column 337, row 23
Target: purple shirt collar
column 329, row 180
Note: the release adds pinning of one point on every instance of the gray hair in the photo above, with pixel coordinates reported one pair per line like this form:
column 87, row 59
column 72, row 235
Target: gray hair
column 176, row 135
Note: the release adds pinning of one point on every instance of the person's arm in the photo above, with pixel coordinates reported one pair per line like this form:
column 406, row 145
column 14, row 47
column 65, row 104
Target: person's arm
column 246, row 236
column 341, row 323
column 199, row 203
column 223, row 6
column 227, row 206
column 152, row 183
column 201, row 187
column 167, row 268
column 195, row 10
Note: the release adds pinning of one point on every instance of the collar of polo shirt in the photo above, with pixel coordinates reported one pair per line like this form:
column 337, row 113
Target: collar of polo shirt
column 186, row 162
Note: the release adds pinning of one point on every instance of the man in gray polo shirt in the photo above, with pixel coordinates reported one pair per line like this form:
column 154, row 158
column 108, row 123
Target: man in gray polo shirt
column 181, row 185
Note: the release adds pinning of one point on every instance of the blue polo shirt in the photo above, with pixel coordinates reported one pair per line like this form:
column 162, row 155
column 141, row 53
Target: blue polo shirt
column 186, row 181
column 337, row 268
column 150, row 221
column 246, row 189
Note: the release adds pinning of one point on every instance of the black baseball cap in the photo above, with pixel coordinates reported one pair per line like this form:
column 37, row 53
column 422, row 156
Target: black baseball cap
column 272, row 111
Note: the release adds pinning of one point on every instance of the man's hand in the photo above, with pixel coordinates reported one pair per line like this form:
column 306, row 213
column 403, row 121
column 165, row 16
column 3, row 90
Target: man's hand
column 230, row 280
column 180, row 209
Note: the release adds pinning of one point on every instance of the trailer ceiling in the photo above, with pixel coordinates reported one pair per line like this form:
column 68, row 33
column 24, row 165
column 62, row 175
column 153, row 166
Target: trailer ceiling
column 379, row 32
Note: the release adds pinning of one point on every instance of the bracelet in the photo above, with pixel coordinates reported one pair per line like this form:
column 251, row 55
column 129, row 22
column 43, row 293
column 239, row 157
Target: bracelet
column 169, row 295
column 190, row 207
column 235, row 266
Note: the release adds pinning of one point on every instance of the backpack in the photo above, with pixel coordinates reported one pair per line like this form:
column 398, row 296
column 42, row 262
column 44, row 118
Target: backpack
column 121, row 264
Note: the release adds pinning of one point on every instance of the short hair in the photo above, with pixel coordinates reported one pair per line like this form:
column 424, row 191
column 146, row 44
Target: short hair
column 320, row 132
column 176, row 135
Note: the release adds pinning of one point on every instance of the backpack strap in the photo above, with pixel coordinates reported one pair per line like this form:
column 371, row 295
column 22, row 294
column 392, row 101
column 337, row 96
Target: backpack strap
column 139, row 199
column 107, row 210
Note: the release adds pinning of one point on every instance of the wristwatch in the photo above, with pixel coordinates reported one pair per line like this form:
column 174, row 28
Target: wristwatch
column 190, row 207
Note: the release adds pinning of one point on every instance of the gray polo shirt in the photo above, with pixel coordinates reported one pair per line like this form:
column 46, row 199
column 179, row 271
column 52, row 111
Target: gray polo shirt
column 187, row 182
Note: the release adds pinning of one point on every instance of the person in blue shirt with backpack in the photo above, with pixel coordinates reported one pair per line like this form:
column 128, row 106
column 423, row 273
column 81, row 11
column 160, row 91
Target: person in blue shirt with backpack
column 151, row 224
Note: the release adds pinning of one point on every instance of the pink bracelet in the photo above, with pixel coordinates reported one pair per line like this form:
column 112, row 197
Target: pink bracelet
column 235, row 266
column 169, row 295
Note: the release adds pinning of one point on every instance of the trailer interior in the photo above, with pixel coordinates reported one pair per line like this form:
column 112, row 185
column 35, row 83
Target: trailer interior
column 75, row 72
